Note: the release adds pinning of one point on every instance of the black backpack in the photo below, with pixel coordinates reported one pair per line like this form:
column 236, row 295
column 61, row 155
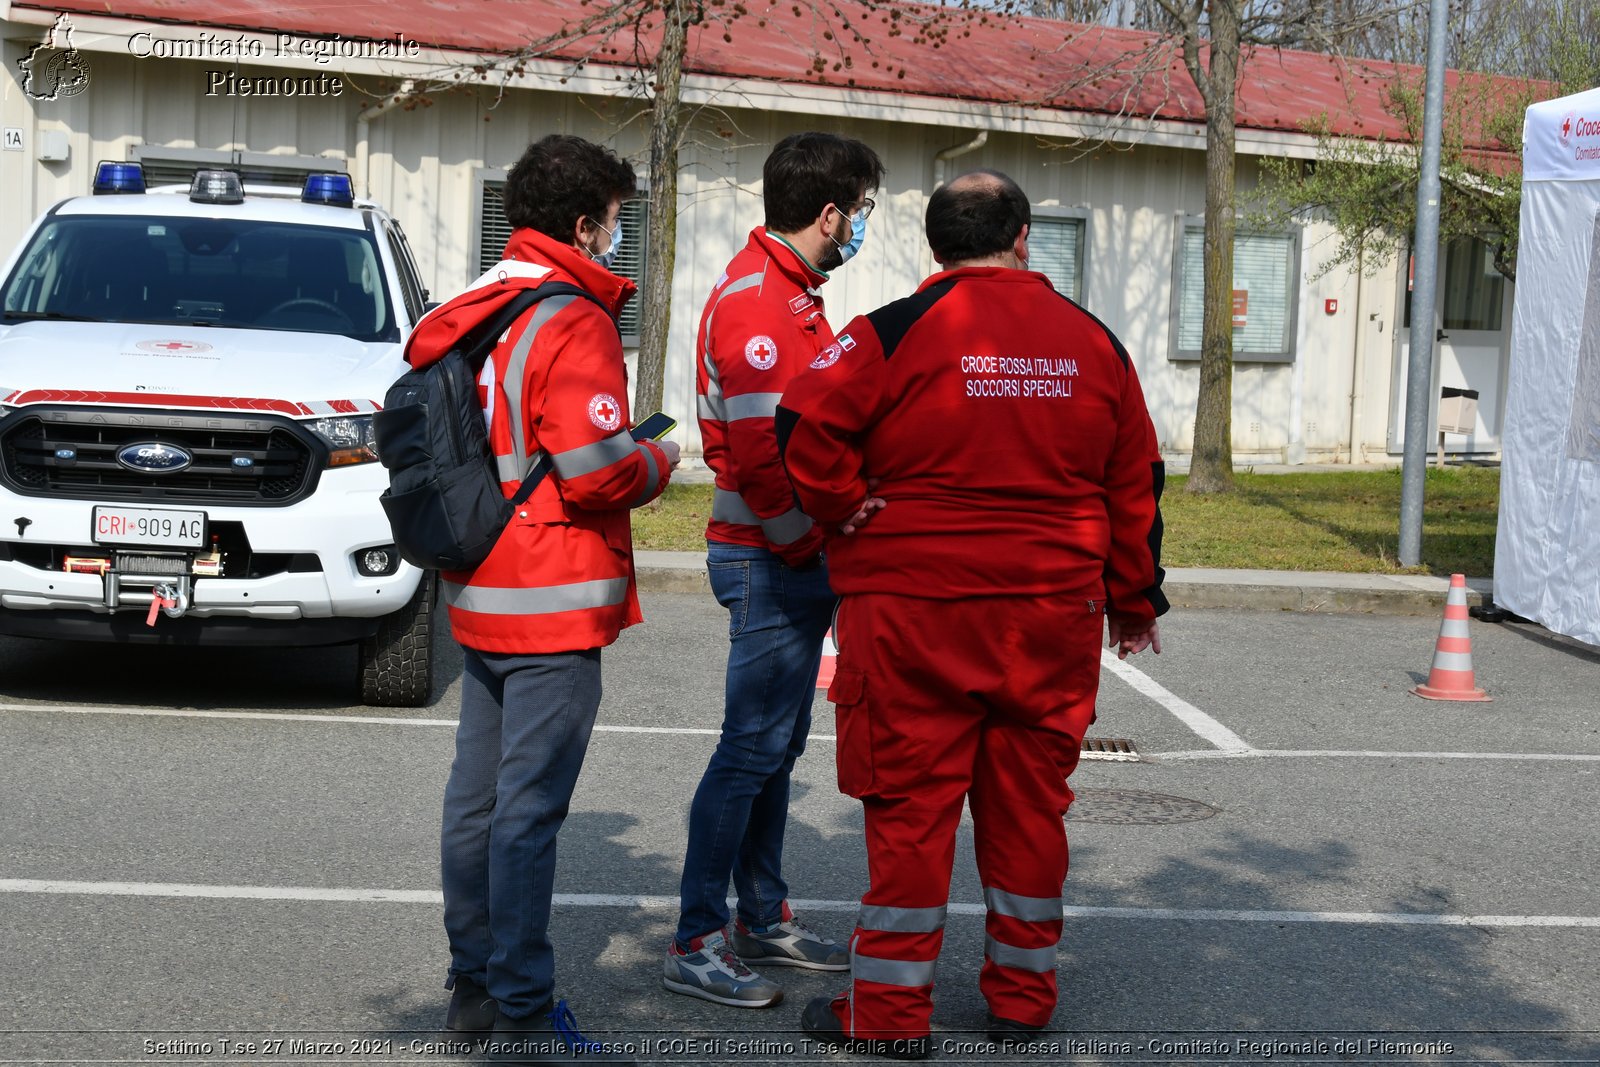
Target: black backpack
column 444, row 500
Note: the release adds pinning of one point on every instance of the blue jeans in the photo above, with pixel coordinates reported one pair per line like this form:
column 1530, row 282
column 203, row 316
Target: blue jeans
column 525, row 725
column 777, row 617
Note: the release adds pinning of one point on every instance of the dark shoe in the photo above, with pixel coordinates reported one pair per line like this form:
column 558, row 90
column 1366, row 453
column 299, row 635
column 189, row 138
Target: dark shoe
column 788, row 943
column 1009, row 1032
column 472, row 1009
column 822, row 1025
column 548, row 1038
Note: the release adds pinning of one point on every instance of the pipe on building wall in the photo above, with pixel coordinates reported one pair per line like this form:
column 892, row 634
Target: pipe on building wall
column 941, row 160
column 363, row 132
column 1357, row 362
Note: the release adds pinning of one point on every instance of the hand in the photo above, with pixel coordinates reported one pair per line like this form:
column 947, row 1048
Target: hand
column 1130, row 642
column 674, row 454
column 863, row 515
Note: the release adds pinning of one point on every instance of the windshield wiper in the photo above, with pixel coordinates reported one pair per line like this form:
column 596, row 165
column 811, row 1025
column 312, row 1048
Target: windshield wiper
column 61, row 316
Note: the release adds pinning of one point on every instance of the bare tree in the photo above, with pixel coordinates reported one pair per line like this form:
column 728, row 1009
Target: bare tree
column 649, row 46
column 1214, row 40
column 1214, row 36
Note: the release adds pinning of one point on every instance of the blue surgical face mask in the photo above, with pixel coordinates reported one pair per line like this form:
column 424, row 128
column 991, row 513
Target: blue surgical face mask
column 609, row 256
column 858, row 234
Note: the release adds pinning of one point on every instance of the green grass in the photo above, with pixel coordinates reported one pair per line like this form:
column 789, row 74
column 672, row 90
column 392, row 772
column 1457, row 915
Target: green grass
column 1340, row 521
column 1321, row 521
column 676, row 522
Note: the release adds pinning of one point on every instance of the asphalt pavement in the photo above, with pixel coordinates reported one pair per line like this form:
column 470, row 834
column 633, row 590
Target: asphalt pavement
column 214, row 857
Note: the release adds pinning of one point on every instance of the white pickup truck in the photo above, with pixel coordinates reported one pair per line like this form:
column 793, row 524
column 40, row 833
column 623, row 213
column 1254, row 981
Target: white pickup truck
column 187, row 382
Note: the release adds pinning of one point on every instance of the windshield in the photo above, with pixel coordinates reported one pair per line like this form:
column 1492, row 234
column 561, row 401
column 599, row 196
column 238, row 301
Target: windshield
column 203, row 272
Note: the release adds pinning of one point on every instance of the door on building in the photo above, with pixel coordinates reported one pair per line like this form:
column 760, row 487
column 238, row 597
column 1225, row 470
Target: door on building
column 1473, row 314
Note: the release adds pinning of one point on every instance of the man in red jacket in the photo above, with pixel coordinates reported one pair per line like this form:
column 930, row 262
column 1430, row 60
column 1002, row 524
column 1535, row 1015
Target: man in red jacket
column 557, row 587
column 762, row 325
column 986, row 443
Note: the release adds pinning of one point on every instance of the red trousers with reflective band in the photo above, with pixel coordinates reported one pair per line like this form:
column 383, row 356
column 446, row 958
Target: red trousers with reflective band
column 939, row 701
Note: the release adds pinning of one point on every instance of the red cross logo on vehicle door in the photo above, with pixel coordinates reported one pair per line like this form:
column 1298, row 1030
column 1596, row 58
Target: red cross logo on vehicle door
column 605, row 412
column 761, row 352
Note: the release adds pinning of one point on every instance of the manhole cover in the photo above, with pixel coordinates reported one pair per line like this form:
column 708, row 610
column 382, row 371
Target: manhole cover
column 1135, row 807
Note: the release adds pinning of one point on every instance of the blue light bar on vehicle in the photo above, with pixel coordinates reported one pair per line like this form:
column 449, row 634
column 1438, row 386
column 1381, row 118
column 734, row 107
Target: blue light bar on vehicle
column 110, row 178
column 216, row 187
column 334, row 189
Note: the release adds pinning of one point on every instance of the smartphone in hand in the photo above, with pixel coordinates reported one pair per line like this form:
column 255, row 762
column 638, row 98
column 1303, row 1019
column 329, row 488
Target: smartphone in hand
column 654, row 427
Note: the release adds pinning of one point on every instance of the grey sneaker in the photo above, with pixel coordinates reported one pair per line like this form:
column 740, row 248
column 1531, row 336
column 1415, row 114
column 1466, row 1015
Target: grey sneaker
column 790, row 943
column 712, row 972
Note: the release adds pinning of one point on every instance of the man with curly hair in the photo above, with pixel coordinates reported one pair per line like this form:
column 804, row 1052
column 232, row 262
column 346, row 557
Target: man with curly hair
column 558, row 586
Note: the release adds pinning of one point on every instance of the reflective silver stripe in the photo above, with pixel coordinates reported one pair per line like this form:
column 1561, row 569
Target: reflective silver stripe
column 912, row 974
column 515, row 468
column 652, row 472
column 889, row 920
column 713, row 395
column 1454, row 628
column 735, row 286
column 544, row 600
column 516, row 366
column 1452, row 661
column 576, row 462
column 1028, row 909
column 787, row 528
column 1038, row 960
column 728, row 506
column 752, row 406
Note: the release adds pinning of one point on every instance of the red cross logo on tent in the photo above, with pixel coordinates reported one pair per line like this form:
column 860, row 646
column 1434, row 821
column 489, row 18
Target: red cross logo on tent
column 605, row 412
column 761, row 352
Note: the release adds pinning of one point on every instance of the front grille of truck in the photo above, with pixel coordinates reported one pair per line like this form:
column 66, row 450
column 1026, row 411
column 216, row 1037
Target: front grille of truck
column 238, row 459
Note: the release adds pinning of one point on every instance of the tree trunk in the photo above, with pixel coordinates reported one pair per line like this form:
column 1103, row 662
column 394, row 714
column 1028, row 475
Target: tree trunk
column 661, row 238
column 1211, row 468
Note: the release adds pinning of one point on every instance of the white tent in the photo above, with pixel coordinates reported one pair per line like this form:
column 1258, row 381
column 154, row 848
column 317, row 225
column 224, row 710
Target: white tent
column 1547, row 552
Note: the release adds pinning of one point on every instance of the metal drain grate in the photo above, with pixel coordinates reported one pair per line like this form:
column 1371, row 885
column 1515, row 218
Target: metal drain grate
column 1119, row 749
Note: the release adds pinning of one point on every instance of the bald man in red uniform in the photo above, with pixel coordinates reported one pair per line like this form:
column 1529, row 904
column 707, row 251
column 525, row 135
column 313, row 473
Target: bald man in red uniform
column 985, row 445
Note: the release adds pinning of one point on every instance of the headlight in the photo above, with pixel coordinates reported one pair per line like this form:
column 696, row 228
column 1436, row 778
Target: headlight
column 349, row 439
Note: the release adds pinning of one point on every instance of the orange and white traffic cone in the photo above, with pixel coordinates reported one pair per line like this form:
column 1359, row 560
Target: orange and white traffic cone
column 1451, row 677
column 830, row 661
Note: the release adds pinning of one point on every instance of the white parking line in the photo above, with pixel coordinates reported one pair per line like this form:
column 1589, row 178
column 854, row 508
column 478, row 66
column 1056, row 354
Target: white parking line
column 669, row 903
column 1208, row 728
column 1212, row 754
column 1239, row 750
column 370, row 720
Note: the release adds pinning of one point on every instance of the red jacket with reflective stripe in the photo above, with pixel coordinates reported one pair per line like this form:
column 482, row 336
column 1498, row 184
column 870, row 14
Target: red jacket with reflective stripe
column 762, row 325
column 560, row 579
column 1011, row 437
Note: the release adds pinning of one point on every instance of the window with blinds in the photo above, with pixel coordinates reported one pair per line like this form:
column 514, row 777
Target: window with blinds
column 1055, row 249
column 1264, row 267
column 494, row 231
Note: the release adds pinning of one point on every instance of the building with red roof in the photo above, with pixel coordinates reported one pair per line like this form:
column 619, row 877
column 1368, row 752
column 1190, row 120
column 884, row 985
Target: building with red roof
column 435, row 98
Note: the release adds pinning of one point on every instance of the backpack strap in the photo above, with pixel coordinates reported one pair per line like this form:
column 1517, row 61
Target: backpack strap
column 482, row 340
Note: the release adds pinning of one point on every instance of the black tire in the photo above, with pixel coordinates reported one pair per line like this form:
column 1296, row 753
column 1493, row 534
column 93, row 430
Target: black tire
column 395, row 667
